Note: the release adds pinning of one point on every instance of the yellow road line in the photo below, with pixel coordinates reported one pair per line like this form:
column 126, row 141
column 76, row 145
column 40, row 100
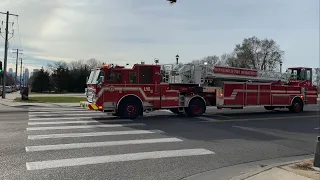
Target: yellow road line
column 259, row 119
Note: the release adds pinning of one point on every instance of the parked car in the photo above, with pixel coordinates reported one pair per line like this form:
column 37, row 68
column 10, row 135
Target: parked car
column 8, row 89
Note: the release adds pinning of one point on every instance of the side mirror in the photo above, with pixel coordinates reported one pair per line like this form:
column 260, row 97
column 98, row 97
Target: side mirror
column 100, row 81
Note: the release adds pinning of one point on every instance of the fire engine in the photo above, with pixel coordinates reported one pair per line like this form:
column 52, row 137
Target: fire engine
column 190, row 88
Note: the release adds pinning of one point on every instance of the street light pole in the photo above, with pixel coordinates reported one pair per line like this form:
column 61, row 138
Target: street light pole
column 17, row 59
column 156, row 60
column 280, row 67
column 177, row 59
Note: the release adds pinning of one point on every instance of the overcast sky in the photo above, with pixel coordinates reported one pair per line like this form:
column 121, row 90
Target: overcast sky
column 129, row 31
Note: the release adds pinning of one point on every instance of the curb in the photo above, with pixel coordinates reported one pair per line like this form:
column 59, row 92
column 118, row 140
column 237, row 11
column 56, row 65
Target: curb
column 263, row 169
column 246, row 170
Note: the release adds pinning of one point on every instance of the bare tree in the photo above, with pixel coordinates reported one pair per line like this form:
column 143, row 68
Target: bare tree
column 210, row 60
column 93, row 63
column 76, row 64
column 254, row 53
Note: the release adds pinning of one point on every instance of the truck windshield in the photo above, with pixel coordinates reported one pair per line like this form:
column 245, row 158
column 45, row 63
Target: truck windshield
column 95, row 77
column 91, row 77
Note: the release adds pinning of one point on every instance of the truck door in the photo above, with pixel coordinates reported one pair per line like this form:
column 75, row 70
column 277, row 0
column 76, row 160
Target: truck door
column 151, row 88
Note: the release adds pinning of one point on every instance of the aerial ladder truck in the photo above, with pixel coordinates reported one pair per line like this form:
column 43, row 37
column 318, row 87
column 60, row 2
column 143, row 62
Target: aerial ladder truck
column 190, row 88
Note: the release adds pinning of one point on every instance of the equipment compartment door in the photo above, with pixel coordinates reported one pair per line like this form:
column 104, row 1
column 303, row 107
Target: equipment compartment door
column 234, row 93
column 279, row 95
column 265, row 94
column 251, row 97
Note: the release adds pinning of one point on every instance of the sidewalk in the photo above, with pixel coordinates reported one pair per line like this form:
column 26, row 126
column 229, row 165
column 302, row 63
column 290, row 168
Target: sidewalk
column 302, row 170
column 10, row 103
column 7, row 109
column 269, row 169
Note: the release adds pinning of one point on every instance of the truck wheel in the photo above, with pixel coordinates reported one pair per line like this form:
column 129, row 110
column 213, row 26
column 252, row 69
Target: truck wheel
column 196, row 107
column 175, row 111
column 129, row 108
column 270, row 108
column 297, row 106
column 115, row 114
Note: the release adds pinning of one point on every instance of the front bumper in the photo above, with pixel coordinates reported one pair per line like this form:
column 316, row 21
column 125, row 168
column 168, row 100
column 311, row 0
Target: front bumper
column 89, row 106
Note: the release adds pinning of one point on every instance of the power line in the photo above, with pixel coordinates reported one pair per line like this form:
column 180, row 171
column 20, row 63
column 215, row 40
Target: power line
column 19, row 31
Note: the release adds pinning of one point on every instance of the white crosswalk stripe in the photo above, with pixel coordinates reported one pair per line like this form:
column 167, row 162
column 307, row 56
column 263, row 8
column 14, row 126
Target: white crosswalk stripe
column 92, row 134
column 81, row 126
column 99, row 144
column 58, row 118
column 116, row 158
column 76, row 114
column 73, row 129
column 76, row 122
column 57, row 112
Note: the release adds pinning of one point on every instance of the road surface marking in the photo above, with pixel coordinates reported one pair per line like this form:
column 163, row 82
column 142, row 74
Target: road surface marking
column 56, row 108
column 78, row 114
column 262, row 119
column 223, row 116
column 82, row 126
column 115, row 158
column 56, row 112
column 57, row 118
column 207, row 119
column 100, row 144
column 92, row 134
column 76, row 122
column 273, row 132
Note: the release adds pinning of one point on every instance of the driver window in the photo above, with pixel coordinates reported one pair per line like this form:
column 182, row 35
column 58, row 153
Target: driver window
column 308, row 75
column 146, row 75
column 301, row 75
column 294, row 74
column 101, row 77
column 114, row 77
column 133, row 77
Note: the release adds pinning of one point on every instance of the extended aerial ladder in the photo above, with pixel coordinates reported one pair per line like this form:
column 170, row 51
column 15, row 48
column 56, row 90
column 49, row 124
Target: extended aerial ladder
column 203, row 74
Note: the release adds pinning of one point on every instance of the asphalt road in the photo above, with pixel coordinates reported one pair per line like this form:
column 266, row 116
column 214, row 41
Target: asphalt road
column 66, row 143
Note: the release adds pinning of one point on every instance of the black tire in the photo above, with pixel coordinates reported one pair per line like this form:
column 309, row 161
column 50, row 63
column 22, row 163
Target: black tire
column 270, row 108
column 290, row 108
column 129, row 108
column 175, row 111
column 296, row 106
column 115, row 114
column 196, row 107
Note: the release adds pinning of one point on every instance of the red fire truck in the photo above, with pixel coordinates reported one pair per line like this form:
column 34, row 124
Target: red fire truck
column 190, row 88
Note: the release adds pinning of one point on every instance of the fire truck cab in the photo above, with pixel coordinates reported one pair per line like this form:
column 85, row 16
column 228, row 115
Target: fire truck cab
column 190, row 88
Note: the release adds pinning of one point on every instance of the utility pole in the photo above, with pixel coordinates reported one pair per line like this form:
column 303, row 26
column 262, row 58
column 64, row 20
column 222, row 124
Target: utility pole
column 5, row 54
column 20, row 73
column 17, row 54
column 5, row 58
